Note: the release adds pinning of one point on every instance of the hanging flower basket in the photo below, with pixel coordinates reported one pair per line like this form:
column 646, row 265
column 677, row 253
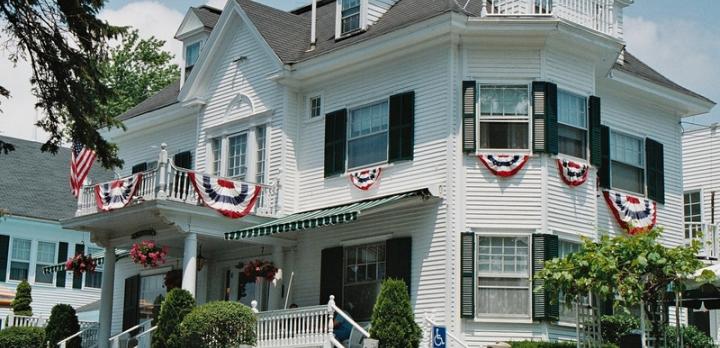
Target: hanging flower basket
column 260, row 269
column 80, row 263
column 148, row 254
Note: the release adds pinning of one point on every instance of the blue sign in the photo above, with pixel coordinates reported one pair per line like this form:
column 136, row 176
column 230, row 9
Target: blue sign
column 439, row 337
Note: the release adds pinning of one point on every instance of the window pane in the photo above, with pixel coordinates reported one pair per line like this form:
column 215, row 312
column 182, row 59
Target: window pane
column 150, row 288
column 626, row 149
column 19, row 270
column 42, row 277
column 260, row 144
column 315, row 106
column 367, row 142
column 93, row 279
column 46, row 253
column 21, row 249
column 628, row 177
column 692, row 207
column 192, row 53
column 364, row 270
column 237, row 146
column 216, row 145
column 359, row 300
column 504, row 301
column 572, row 141
column 503, row 135
column 572, row 110
column 503, row 100
column 503, row 255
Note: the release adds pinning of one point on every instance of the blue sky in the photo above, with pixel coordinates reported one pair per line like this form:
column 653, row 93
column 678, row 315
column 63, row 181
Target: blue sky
column 680, row 39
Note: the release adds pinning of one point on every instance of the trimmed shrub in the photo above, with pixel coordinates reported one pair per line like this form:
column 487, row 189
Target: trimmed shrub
column 393, row 322
column 217, row 324
column 23, row 299
column 157, row 304
column 539, row 344
column 22, row 337
column 692, row 337
column 175, row 307
column 63, row 323
column 614, row 327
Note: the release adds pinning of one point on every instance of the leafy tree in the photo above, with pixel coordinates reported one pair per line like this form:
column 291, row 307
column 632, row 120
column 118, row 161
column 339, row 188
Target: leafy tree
column 63, row 323
column 23, row 299
column 393, row 322
column 175, row 307
column 632, row 269
column 63, row 41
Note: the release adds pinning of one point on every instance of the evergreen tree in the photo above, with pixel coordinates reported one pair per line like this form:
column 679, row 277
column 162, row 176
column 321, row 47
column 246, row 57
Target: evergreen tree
column 393, row 322
column 175, row 307
column 23, row 299
column 63, row 323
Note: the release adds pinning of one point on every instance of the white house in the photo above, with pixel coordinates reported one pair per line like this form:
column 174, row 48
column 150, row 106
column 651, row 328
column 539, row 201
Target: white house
column 480, row 127
column 34, row 196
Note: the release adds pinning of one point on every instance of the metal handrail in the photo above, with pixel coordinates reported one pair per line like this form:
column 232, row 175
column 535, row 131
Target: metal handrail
column 128, row 330
column 357, row 326
column 147, row 331
column 448, row 333
column 62, row 343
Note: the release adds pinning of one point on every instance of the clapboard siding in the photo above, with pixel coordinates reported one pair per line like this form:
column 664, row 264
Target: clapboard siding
column 571, row 210
column 494, row 64
column 701, row 168
column 571, row 72
column 480, row 334
column 377, row 8
column 633, row 116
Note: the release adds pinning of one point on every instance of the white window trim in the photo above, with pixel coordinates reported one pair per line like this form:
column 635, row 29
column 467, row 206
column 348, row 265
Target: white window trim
column 338, row 19
column 348, row 169
column 31, row 272
column 37, row 249
column 586, row 129
column 503, row 318
column 308, row 107
column 515, row 119
column 702, row 199
column 248, row 128
column 644, row 160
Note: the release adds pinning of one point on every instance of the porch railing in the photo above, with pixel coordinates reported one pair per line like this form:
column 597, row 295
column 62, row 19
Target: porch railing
column 169, row 182
column 21, row 320
column 599, row 15
column 122, row 340
column 88, row 334
column 707, row 235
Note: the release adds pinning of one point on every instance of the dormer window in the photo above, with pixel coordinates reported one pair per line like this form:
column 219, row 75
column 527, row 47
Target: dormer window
column 192, row 53
column 350, row 16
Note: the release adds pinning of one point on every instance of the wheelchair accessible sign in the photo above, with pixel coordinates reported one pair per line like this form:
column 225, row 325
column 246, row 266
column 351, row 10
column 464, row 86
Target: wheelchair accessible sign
column 439, row 337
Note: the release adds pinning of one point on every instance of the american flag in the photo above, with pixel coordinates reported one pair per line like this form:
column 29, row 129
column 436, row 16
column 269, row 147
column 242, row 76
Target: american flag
column 80, row 164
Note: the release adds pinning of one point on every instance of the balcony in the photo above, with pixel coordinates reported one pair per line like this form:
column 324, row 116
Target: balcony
column 599, row 15
column 167, row 182
column 707, row 235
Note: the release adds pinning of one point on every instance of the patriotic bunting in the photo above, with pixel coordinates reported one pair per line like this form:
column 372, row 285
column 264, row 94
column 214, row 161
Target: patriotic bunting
column 233, row 199
column 365, row 178
column 635, row 215
column 504, row 165
column 573, row 173
column 117, row 194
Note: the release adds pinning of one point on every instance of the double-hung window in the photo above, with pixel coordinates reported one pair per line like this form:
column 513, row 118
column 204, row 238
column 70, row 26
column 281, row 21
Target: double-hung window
column 503, row 271
column 627, row 155
column 215, row 152
column 364, row 271
column 45, row 257
column 568, row 310
column 692, row 204
column 20, row 259
column 572, row 124
column 237, row 156
column 368, row 135
column 315, row 106
column 94, row 279
column 192, row 53
column 260, row 147
column 503, row 117
column 349, row 16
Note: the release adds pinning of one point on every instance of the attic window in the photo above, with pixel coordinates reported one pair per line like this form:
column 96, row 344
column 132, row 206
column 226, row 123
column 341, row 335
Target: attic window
column 350, row 16
column 192, row 53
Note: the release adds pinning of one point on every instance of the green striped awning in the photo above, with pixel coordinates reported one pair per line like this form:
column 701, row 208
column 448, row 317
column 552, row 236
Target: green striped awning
column 317, row 218
column 99, row 259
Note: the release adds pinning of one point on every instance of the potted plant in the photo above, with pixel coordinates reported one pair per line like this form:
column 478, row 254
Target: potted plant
column 148, row 254
column 80, row 263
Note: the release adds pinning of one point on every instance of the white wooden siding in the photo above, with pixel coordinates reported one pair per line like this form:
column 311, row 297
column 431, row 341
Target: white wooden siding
column 377, row 8
column 502, row 64
column 701, row 168
column 569, row 71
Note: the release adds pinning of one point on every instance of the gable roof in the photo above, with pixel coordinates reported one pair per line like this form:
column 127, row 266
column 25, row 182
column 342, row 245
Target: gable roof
column 164, row 97
column 207, row 15
column 37, row 184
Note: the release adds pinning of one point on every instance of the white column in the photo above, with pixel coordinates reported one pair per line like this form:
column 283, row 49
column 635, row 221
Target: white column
column 190, row 263
column 106, row 297
column 276, row 290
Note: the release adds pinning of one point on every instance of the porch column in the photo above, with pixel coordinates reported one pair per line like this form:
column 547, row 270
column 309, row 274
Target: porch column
column 106, row 297
column 190, row 263
column 276, row 291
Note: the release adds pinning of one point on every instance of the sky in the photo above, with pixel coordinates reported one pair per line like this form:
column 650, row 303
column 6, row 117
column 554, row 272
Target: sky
column 680, row 42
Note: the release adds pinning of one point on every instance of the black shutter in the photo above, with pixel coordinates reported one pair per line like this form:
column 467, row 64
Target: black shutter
column 467, row 275
column 398, row 252
column 402, row 132
column 595, row 133
column 335, row 137
column 545, row 247
column 131, row 302
column 4, row 248
column 544, row 120
column 331, row 273
column 140, row 167
column 604, row 172
column 183, row 160
column 77, row 277
column 655, row 164
column 62, row 257
column 469, row 106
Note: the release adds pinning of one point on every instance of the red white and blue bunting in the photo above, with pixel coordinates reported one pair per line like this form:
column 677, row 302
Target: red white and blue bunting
column 117, row 194
column 573, row 173
column 635, row 215
column 233, row 199
column 503, row 165
column 364, row 179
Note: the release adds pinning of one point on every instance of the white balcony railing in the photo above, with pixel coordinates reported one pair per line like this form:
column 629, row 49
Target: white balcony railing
column 707, row 235
column 168, row 182
column 598, row 15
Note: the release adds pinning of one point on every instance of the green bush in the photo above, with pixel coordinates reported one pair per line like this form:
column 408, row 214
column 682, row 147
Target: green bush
column 22, row 337
column 539, row 344
column 175, row 307
column 614, row 327
column 63, row 323
column 393, row 322
column 23, row 298
column 692, row 337
column 217, row 324
column 157, row 304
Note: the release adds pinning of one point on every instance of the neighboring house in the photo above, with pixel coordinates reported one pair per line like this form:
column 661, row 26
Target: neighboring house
column 35, row 196
column 433, row 94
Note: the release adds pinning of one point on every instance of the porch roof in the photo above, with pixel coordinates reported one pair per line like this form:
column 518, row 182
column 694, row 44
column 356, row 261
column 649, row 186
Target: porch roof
column 340, row 214
column 99, row 259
